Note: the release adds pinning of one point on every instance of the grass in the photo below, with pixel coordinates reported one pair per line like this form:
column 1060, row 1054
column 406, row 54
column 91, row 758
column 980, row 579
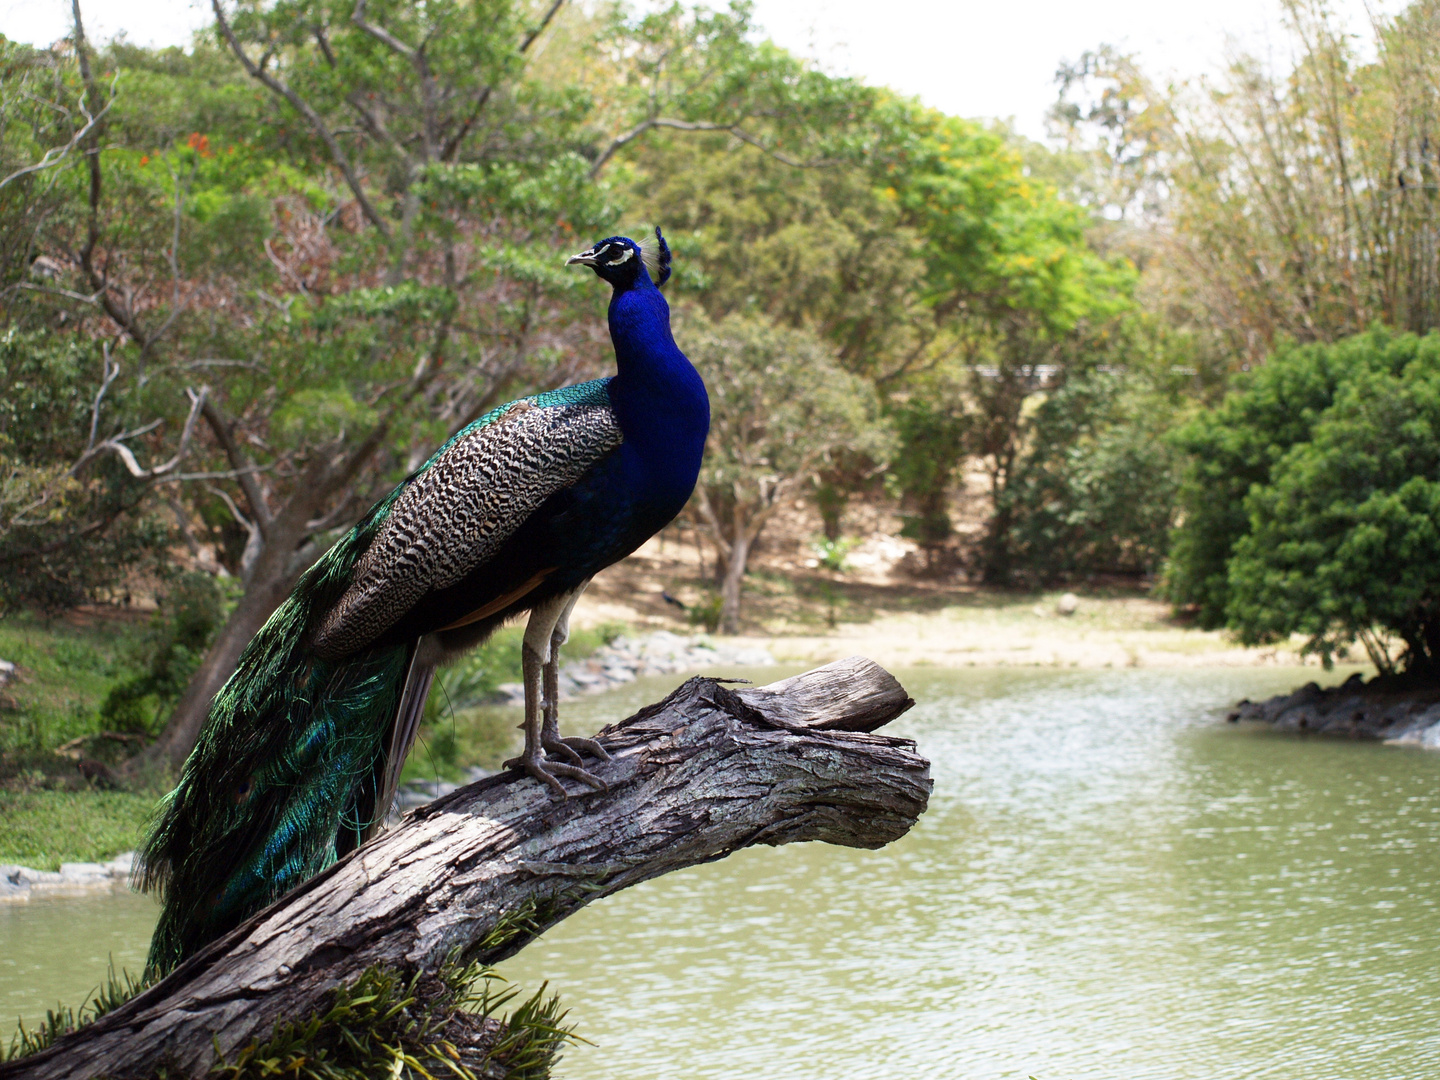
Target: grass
column 43, row 828
column 67, row 666
column 50, row 812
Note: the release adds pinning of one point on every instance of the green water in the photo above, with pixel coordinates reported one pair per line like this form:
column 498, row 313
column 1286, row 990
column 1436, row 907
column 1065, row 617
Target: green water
column 57, row 950
column 1110, row 884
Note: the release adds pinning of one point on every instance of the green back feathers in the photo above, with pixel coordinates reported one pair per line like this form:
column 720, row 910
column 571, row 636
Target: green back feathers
column 593, row 392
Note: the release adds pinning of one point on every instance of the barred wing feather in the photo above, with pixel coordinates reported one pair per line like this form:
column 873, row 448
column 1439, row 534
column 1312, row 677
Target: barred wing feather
column 461, row 508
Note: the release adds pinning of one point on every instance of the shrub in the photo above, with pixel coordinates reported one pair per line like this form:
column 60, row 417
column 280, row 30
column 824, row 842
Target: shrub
column 1235, row 446
column 1314, row 501
column 1097, row 492
column 166, row 655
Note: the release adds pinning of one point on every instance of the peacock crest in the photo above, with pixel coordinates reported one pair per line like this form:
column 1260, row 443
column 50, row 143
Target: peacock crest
column 655, row 254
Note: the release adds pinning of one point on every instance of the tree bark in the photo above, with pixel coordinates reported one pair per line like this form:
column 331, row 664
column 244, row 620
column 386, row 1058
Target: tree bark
column 706, row 772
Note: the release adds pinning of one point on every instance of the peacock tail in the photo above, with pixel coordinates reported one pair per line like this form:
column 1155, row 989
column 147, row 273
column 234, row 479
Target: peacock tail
column 276, row 787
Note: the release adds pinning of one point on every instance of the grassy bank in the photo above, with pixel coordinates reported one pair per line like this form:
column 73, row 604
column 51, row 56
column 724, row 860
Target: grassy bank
column 50, row 810
column 66, row 667
column 42, row 829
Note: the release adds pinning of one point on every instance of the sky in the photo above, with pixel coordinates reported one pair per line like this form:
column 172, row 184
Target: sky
column 975, row 58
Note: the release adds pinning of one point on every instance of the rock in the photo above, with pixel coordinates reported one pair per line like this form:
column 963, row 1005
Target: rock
column 121, row 865
column 13, row 885
column 1421, row 728
column 22, row 883
column 1068, row 604
column 7, row 671
column 1354, row 709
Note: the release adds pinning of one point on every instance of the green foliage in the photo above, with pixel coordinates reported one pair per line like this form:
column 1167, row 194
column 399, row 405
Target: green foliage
column 705, row 612
column 933, row 435
column 1334, row 454
column 65, row 537
column 993, row 238
column 1234, row 447
column 779, row 406
column 165, row 655
column 1345, row 538
column 445, row 1023
column 1096, row 492
column 831, row 553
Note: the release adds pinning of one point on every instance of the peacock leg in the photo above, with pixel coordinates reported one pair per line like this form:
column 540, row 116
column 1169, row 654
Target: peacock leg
column 532, row 662
column 550, row 736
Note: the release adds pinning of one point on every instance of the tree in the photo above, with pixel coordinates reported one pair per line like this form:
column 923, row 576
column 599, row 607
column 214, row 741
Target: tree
column 779, row 405
column 1309, row 501
column 1096, row 491
column 310, row 257
column 1233, row 448
column 1018, row 296
column 933, row 425
column 1344, row 540
column 1294, row 204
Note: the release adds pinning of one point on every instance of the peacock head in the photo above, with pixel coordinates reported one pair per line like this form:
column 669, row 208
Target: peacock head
column 620, row 260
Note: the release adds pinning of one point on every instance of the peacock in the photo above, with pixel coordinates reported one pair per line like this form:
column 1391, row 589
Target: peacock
column 302, row 749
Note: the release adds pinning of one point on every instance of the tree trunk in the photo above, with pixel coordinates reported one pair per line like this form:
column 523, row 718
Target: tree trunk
column 273, row 576
column 730, row 586
column 183, row 728
column 695, row 777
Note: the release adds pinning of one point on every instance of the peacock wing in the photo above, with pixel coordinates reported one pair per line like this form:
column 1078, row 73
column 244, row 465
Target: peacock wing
column 459, row 510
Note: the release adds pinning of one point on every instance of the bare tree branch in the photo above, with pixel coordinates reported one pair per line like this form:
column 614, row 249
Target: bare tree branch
column 624, row 139
column 240, row 463
column 56, row 154
column 704, row 773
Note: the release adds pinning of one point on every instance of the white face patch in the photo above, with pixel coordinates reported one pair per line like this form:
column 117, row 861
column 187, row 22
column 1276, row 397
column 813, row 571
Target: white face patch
column 629, row 253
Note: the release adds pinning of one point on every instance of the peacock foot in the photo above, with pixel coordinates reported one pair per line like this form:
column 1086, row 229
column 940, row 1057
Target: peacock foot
column 549, row 772
column 571, row 747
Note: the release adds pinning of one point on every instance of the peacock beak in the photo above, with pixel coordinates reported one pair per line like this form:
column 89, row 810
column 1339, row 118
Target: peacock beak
column 585, row 258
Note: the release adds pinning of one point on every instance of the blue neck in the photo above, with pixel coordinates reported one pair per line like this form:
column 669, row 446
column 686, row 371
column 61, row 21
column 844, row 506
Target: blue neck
column 658, row 396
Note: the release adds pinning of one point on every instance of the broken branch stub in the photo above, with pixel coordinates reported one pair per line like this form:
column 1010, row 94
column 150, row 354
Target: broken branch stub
column 705, row 772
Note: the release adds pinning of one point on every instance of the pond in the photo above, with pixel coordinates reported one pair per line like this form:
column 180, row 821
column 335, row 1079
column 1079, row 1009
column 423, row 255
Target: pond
column 1110, row 883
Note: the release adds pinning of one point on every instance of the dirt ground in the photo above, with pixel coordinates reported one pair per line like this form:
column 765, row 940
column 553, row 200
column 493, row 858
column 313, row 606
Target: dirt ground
column 804, row 613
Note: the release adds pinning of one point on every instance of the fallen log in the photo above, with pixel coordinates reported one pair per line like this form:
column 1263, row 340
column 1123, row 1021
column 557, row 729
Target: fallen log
column 705, row 772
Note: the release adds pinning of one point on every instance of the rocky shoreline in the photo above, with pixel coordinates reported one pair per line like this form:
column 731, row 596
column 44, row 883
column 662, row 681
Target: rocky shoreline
column 22, row 883
column 1392, row 710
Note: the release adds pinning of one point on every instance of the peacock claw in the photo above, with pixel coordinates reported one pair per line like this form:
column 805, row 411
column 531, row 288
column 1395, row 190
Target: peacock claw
column 570, row 747
column 558, row 751
column 548, row 772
